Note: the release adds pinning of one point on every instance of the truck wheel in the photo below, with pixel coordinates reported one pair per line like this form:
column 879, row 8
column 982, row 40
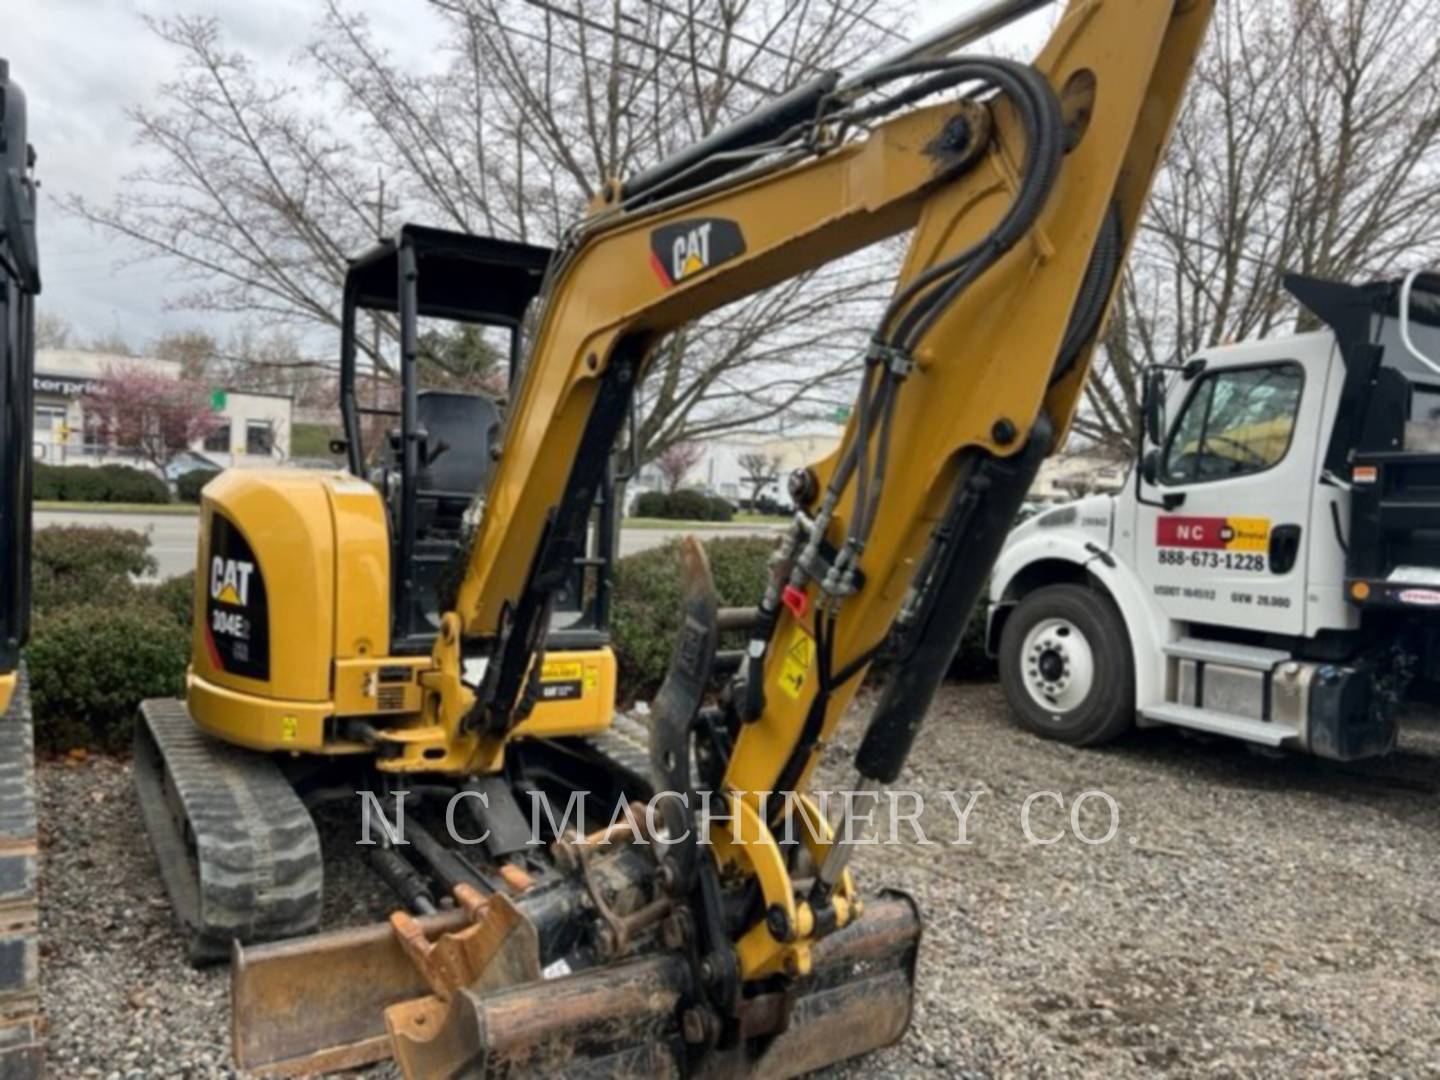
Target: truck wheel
column 1066, row 667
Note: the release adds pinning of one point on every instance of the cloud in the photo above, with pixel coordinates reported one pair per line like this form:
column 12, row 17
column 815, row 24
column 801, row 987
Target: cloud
column 82, row 63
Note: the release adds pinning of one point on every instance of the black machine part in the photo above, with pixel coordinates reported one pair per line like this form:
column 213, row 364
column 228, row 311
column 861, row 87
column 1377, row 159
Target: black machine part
column 19, row 285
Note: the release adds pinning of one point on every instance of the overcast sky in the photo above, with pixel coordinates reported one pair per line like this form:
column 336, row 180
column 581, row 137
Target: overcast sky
column 82, row 62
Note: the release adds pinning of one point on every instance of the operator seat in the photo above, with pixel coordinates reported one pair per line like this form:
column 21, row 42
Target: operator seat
column 461, row 431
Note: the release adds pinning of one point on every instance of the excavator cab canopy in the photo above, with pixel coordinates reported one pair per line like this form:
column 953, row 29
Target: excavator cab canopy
column 441, row 448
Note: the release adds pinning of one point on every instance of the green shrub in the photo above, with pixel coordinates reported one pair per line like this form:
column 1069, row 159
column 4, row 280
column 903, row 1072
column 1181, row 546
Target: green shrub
column 646, row 614
column 100, row 642
column 78, row 564
column 176, row 596
column 651, row 504
column 697, row 506
column 683, row 506
column 645, row 617
column 92, row 665
column 104, row 483
column 127, row 485
column 187, row 488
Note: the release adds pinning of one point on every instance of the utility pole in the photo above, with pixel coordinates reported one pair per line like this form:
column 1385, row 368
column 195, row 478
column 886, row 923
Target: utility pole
column 380, row 206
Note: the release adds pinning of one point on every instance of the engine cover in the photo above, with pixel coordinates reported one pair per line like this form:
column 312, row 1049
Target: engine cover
column 292, row 582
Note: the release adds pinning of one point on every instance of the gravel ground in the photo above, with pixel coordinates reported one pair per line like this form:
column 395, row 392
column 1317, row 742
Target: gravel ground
column 1253, row 915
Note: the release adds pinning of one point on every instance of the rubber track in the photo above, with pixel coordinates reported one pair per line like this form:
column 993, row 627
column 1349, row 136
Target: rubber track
column 625, row 747
column 252, row 868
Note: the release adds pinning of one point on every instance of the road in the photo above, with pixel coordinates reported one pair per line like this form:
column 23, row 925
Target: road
column 172, row 536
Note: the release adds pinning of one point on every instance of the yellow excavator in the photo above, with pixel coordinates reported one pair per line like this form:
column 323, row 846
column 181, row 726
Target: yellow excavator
column 427, row 629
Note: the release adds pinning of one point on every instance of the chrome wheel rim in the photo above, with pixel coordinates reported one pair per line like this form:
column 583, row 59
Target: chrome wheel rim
column 1057, row 665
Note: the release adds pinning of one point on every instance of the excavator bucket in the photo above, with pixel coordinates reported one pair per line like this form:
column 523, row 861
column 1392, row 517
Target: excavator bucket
column 344, row 999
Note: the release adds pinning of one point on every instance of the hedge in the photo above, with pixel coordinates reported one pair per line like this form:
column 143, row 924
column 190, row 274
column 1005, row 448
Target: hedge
column 101, row 641
column 76, row 564
column 188, row 487
column 100, row 483
column 683, row 506
column 646, row 614
column 176, row 596
column 92, row 664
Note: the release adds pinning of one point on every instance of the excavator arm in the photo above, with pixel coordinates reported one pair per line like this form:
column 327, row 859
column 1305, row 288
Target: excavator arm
column 1020, row 187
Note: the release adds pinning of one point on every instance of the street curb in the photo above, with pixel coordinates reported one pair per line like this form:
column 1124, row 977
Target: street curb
column 117, row 509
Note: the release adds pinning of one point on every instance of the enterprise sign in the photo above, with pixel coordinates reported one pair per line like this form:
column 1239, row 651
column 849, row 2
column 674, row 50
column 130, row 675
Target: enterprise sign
column 70, row 386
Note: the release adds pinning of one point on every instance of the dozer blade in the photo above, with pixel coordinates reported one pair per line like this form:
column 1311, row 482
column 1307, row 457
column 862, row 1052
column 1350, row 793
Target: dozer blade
column 323, row 1003
column 317, row 1004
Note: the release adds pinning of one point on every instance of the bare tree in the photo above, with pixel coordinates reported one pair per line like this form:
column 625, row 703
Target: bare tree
column 676, row 461
column 259, row 196
column 112, row 341
column 760, row 471
column 247, row 189
column 194, row 350
column 52, row 331
column 1310, row 142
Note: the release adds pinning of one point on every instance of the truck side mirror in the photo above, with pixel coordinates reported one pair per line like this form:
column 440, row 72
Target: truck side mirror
column 1150, row 467
column 1152, row 406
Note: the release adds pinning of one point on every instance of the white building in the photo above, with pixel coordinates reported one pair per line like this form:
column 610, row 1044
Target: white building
column 720, row 472
column 253, row 428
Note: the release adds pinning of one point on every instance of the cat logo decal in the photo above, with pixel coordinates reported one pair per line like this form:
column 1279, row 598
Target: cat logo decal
column 681, row 250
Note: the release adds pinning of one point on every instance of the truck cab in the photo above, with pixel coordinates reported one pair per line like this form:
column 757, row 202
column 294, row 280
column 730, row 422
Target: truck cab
column 1271, row 570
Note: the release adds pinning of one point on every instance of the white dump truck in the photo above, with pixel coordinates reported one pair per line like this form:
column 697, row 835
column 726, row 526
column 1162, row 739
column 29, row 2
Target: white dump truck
column 1271, row 571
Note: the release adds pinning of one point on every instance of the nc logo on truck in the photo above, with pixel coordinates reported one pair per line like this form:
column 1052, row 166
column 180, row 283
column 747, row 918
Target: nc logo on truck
column 230, row 581
column 685, row 248
column 1213, row 533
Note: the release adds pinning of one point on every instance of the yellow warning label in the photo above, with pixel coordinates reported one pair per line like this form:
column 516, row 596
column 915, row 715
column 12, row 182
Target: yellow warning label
column 289, row 728
column 561, row 671
column 592, row 677
column 799, row 655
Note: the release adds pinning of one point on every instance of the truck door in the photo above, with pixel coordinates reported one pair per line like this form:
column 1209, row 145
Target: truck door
column 1237, row 468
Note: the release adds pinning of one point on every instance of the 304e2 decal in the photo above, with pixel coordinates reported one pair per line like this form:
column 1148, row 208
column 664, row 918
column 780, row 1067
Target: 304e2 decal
column 1213, row 543
column 237, row 614
column 686, row 248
